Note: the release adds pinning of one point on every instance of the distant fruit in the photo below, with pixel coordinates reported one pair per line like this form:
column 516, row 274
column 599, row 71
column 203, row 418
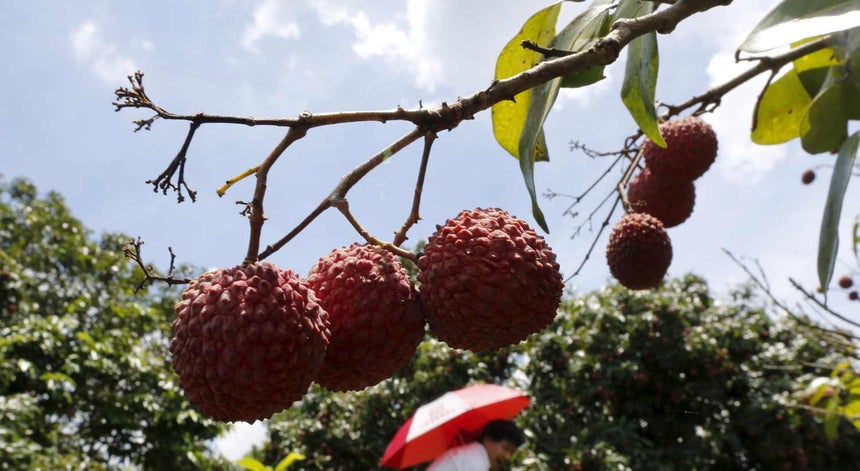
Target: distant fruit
column 691, row 147
column 807, row 177
column 853, row 296
column 248, row 341
column 639, row 251
column 488, row 281
column 375, row 315
column 669, row 200
column 845, row 282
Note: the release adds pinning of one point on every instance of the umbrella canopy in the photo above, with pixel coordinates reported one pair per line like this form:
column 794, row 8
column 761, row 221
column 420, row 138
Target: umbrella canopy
column 440, row 424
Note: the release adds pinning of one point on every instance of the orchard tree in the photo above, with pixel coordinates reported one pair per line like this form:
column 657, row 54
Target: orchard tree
column 84, row 377
column 660, row 379
column 249, row 340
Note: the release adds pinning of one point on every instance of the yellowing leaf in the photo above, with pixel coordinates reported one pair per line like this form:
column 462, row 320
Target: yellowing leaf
column 510, row 116
column 781, row 110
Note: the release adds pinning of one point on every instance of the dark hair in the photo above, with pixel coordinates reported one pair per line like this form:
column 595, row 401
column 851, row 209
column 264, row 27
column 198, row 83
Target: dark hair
column 500, row 429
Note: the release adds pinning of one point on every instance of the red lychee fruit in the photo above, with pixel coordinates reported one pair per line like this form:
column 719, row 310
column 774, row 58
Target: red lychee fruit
column 639, row 251
column 845, row 282
column 691, row 147
column 669, row 200
column 488, row 281
column 853, row 296
column 248, row 341
column 807, row 177
column 375, row 315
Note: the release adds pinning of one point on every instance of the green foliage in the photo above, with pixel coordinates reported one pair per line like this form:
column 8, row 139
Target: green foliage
column 252, row 464
column 515, row 125
column 84, row 377
column 664, row 379
column 793, row 20
column 828, row 243
column 640, row 74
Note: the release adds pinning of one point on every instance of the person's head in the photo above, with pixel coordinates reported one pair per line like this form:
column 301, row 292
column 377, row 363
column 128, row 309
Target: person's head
column 501, row 438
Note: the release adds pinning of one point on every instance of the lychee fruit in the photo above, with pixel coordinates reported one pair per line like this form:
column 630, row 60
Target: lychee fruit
column 853, row 296
column 639, row 251
column 375, row 315
column 669, row 200
column 807, row 177
column 845, row 282
column 248, row 341
column 691, row 147
column 488, row 281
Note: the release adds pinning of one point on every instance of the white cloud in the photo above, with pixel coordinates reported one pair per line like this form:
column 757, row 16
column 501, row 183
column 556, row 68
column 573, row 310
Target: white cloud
column 401, row 45
column 93, row 50
column 740, row 160
column 238, row 441
column 270, row 18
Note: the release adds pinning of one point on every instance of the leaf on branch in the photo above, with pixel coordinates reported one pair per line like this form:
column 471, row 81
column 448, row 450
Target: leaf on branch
column 857, row 237
column 794, row 20
column 825, row 126
column 580, row 34
column 509, row 117
column 252, row 464
column 828, row 242
column 577, row 35
column 781, row 110
column 640, row 79
column 289, row 460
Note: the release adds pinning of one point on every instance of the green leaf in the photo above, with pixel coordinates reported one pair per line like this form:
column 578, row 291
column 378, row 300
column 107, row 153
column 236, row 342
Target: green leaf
column 828, row 242
column 583, row 77
column 781, row 110
column 509, row 117
column 831, row 420
column 856, row 236
column 794, row 20
column 289, row 460
column 640, row 82
column 252, row 464
column 825, row 126
column 579, row 33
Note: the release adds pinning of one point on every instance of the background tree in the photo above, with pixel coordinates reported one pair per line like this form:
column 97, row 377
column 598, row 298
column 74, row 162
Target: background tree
column 663, row 379
column 85, row 381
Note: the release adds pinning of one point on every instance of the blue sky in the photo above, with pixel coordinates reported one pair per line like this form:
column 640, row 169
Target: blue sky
column 62, row 61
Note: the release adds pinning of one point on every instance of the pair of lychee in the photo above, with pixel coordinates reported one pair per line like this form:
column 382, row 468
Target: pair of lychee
column 846, row 282
column 249, row 340
column 662, row 195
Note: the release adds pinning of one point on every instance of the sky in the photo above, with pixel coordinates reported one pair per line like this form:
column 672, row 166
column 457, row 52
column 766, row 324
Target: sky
column 269, row 58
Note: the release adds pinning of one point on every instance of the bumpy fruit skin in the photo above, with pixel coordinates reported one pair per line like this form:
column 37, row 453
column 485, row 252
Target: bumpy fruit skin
column 376, row 317
column 691, row 147
column 639, row 251
column 248, row 341
column 669, row 200
column 488, row 281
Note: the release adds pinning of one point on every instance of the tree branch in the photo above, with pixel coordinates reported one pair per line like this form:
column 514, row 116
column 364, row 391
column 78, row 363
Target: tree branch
column 414, row 216
column 132, row 251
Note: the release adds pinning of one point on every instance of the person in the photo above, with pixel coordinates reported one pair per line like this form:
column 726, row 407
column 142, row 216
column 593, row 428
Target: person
column 495, row 446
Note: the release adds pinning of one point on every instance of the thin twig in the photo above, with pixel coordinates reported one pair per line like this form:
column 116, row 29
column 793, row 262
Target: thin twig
column 821, row 305
column 846, row 336
column 132, row 250
column 164, row 181
column 713, row 96
column 343, row 206
column 346, row 183
column 596, row 238
column 414, row 215
column 257, row 216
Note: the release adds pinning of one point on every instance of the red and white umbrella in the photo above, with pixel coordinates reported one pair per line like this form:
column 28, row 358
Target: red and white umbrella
column 439, row 424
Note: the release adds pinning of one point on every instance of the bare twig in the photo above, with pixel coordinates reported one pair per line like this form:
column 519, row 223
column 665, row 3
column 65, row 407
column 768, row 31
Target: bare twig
column 414, row 215
column 346, row 183
column 132, row 251
column 343, row 206
column 164, row 181
column 257, row 217
column 848, row 338
column 821, row 305
column 710, row 99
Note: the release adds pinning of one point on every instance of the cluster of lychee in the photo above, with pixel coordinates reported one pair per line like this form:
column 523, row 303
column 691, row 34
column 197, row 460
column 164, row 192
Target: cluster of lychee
column 249, row 340
column 660, row 196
